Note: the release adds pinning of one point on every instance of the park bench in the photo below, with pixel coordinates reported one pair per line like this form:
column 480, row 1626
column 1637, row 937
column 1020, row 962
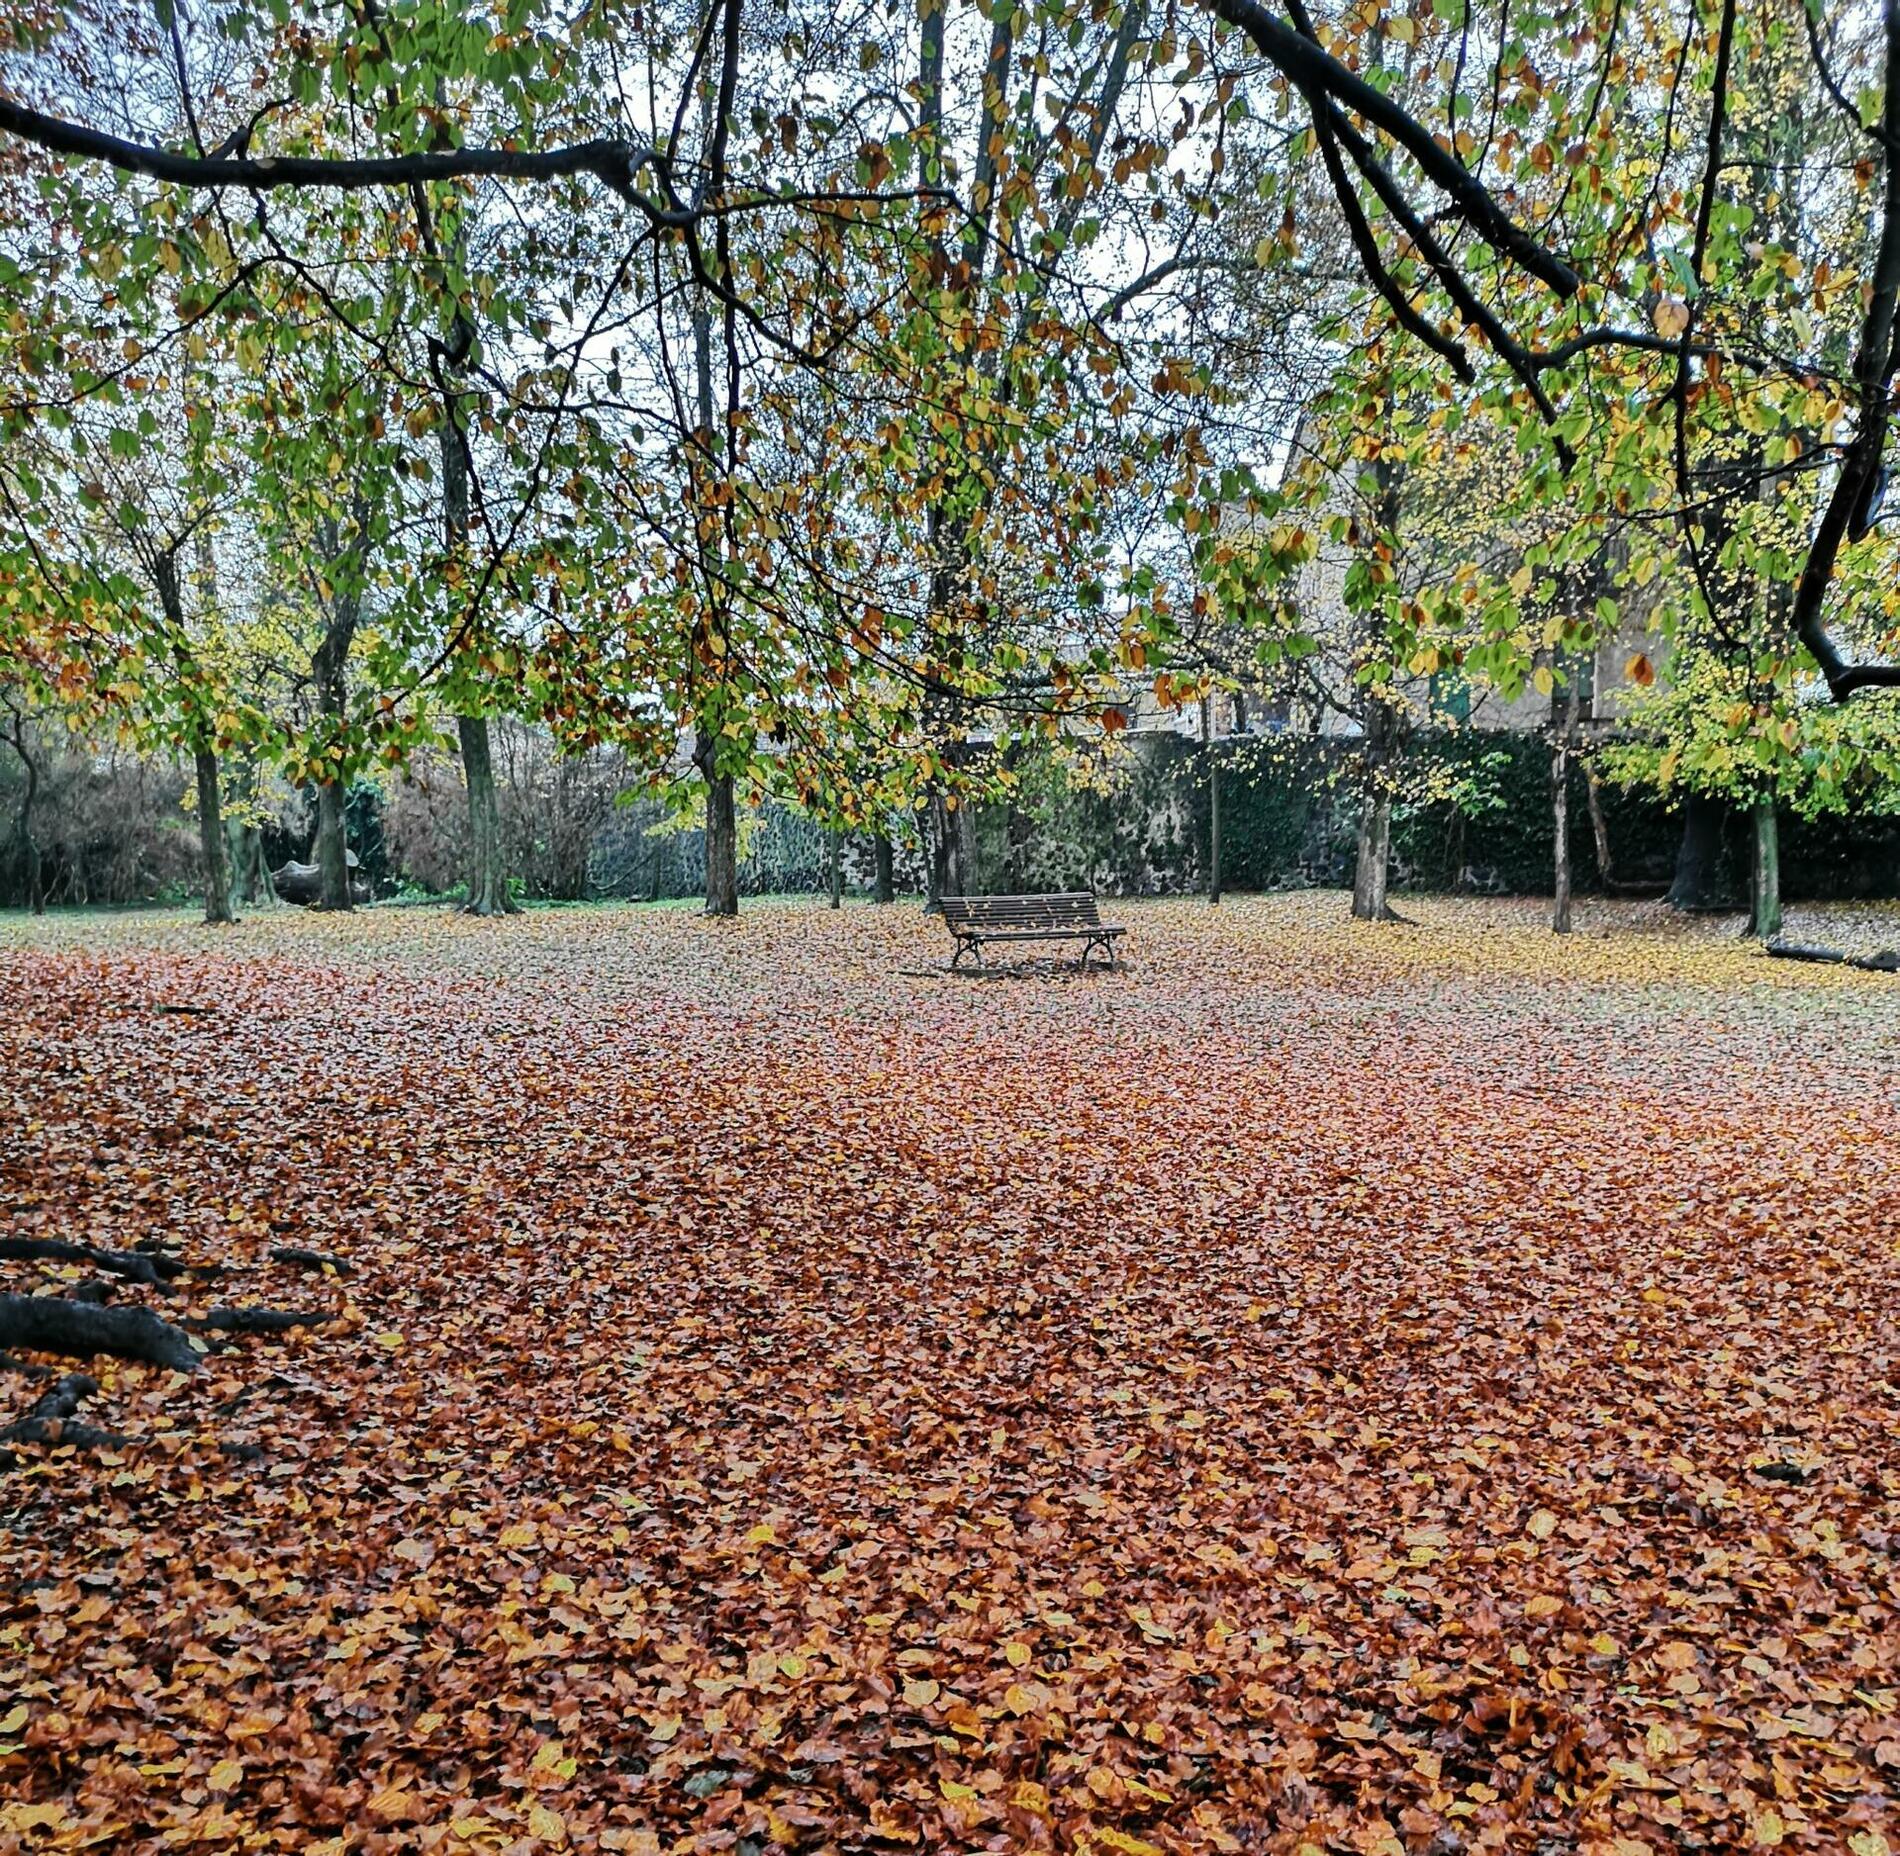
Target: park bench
column 977, row 920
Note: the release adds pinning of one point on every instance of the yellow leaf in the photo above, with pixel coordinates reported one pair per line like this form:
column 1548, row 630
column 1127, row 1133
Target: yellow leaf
column 762, row 1536
column 548, row 1825
column 392, row 1340
column 921, row 1693
column 955, row 1793
column 792, row 1664
column 1542, row 1525
column 1021, row 1698
column 520, row 1534
column 1672, row 317
column 1122, row 1841
column 1544, row 1605
column 1640, row 671
column 14, row 1720
column 227, row 1775
column 1016, row 1655
column 391, row 1803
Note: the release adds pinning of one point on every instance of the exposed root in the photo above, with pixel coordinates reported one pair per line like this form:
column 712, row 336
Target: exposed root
column 146, row 1266
column 1886, row 961
column 49, row 1420
column 254, row 1320
column 56, row 1324
column 311, row 1259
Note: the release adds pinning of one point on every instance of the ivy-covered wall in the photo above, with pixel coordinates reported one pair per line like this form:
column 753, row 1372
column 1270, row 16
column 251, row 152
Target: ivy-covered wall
column 1480, row 819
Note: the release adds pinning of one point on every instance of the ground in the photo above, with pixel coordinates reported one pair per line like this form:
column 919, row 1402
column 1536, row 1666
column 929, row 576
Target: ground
column 1324, row 1388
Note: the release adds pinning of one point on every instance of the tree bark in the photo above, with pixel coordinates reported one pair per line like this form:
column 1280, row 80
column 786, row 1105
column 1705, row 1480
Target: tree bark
column 1698, row 884
column 1213, row 827
column 1560, row 822
column 1599, row 829
column 55, row 1324
column 834, row 867
column 949, row 835
column 330, row 666
column 884, row 886
column 332, row 849
column 250, row 880
column 1764, row 921
column 1372, row 866
column 1560, row 803
column 1374, row 860
column 211, row 839
column 29, row 845
column 487, row 865
column 722, row 830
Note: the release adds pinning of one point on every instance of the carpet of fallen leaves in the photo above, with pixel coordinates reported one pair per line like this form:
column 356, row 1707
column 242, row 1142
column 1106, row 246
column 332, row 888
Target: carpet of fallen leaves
column 1323, row 1389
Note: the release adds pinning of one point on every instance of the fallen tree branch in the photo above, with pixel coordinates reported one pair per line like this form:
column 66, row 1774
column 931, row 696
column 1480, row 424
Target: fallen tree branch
column 53, row 1324
column 1886, row 961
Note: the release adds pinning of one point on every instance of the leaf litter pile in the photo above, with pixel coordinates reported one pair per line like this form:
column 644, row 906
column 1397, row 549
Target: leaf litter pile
column 1322, row 1389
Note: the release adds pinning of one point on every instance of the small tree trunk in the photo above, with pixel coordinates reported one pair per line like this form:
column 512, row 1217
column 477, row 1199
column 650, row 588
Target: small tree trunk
column 1560, row 821
column 1698, row 883
column 1213, row 828
column 947, row 874
column 722, row 830
column 884, row 885
column 1374, row 860
column 487, row 867
column 1599, row 828
column 211, row 839
column 332, row 851
column 29, row 845
column 1765, row 913
column 1560, row 802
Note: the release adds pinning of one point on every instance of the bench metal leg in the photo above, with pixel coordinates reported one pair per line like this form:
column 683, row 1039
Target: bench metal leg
column 966, row 945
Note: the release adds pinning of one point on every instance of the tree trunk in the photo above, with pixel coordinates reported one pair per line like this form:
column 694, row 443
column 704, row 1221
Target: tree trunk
column 1698, row 883
column 1599, row 828
column 884, row 883
column 1560, row 802
column 329, row 665
column 1560, row 822
column 949, row 876
column 487, row 867
column 1765, row 891
column 211, row 839
column 332, row 849
column 1213, row 828
column 1374, row 860
column 722, row 830
column 35, row 896
column 250, row 880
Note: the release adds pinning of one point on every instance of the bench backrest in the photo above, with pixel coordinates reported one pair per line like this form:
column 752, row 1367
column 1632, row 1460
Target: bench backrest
column 1021, row 914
